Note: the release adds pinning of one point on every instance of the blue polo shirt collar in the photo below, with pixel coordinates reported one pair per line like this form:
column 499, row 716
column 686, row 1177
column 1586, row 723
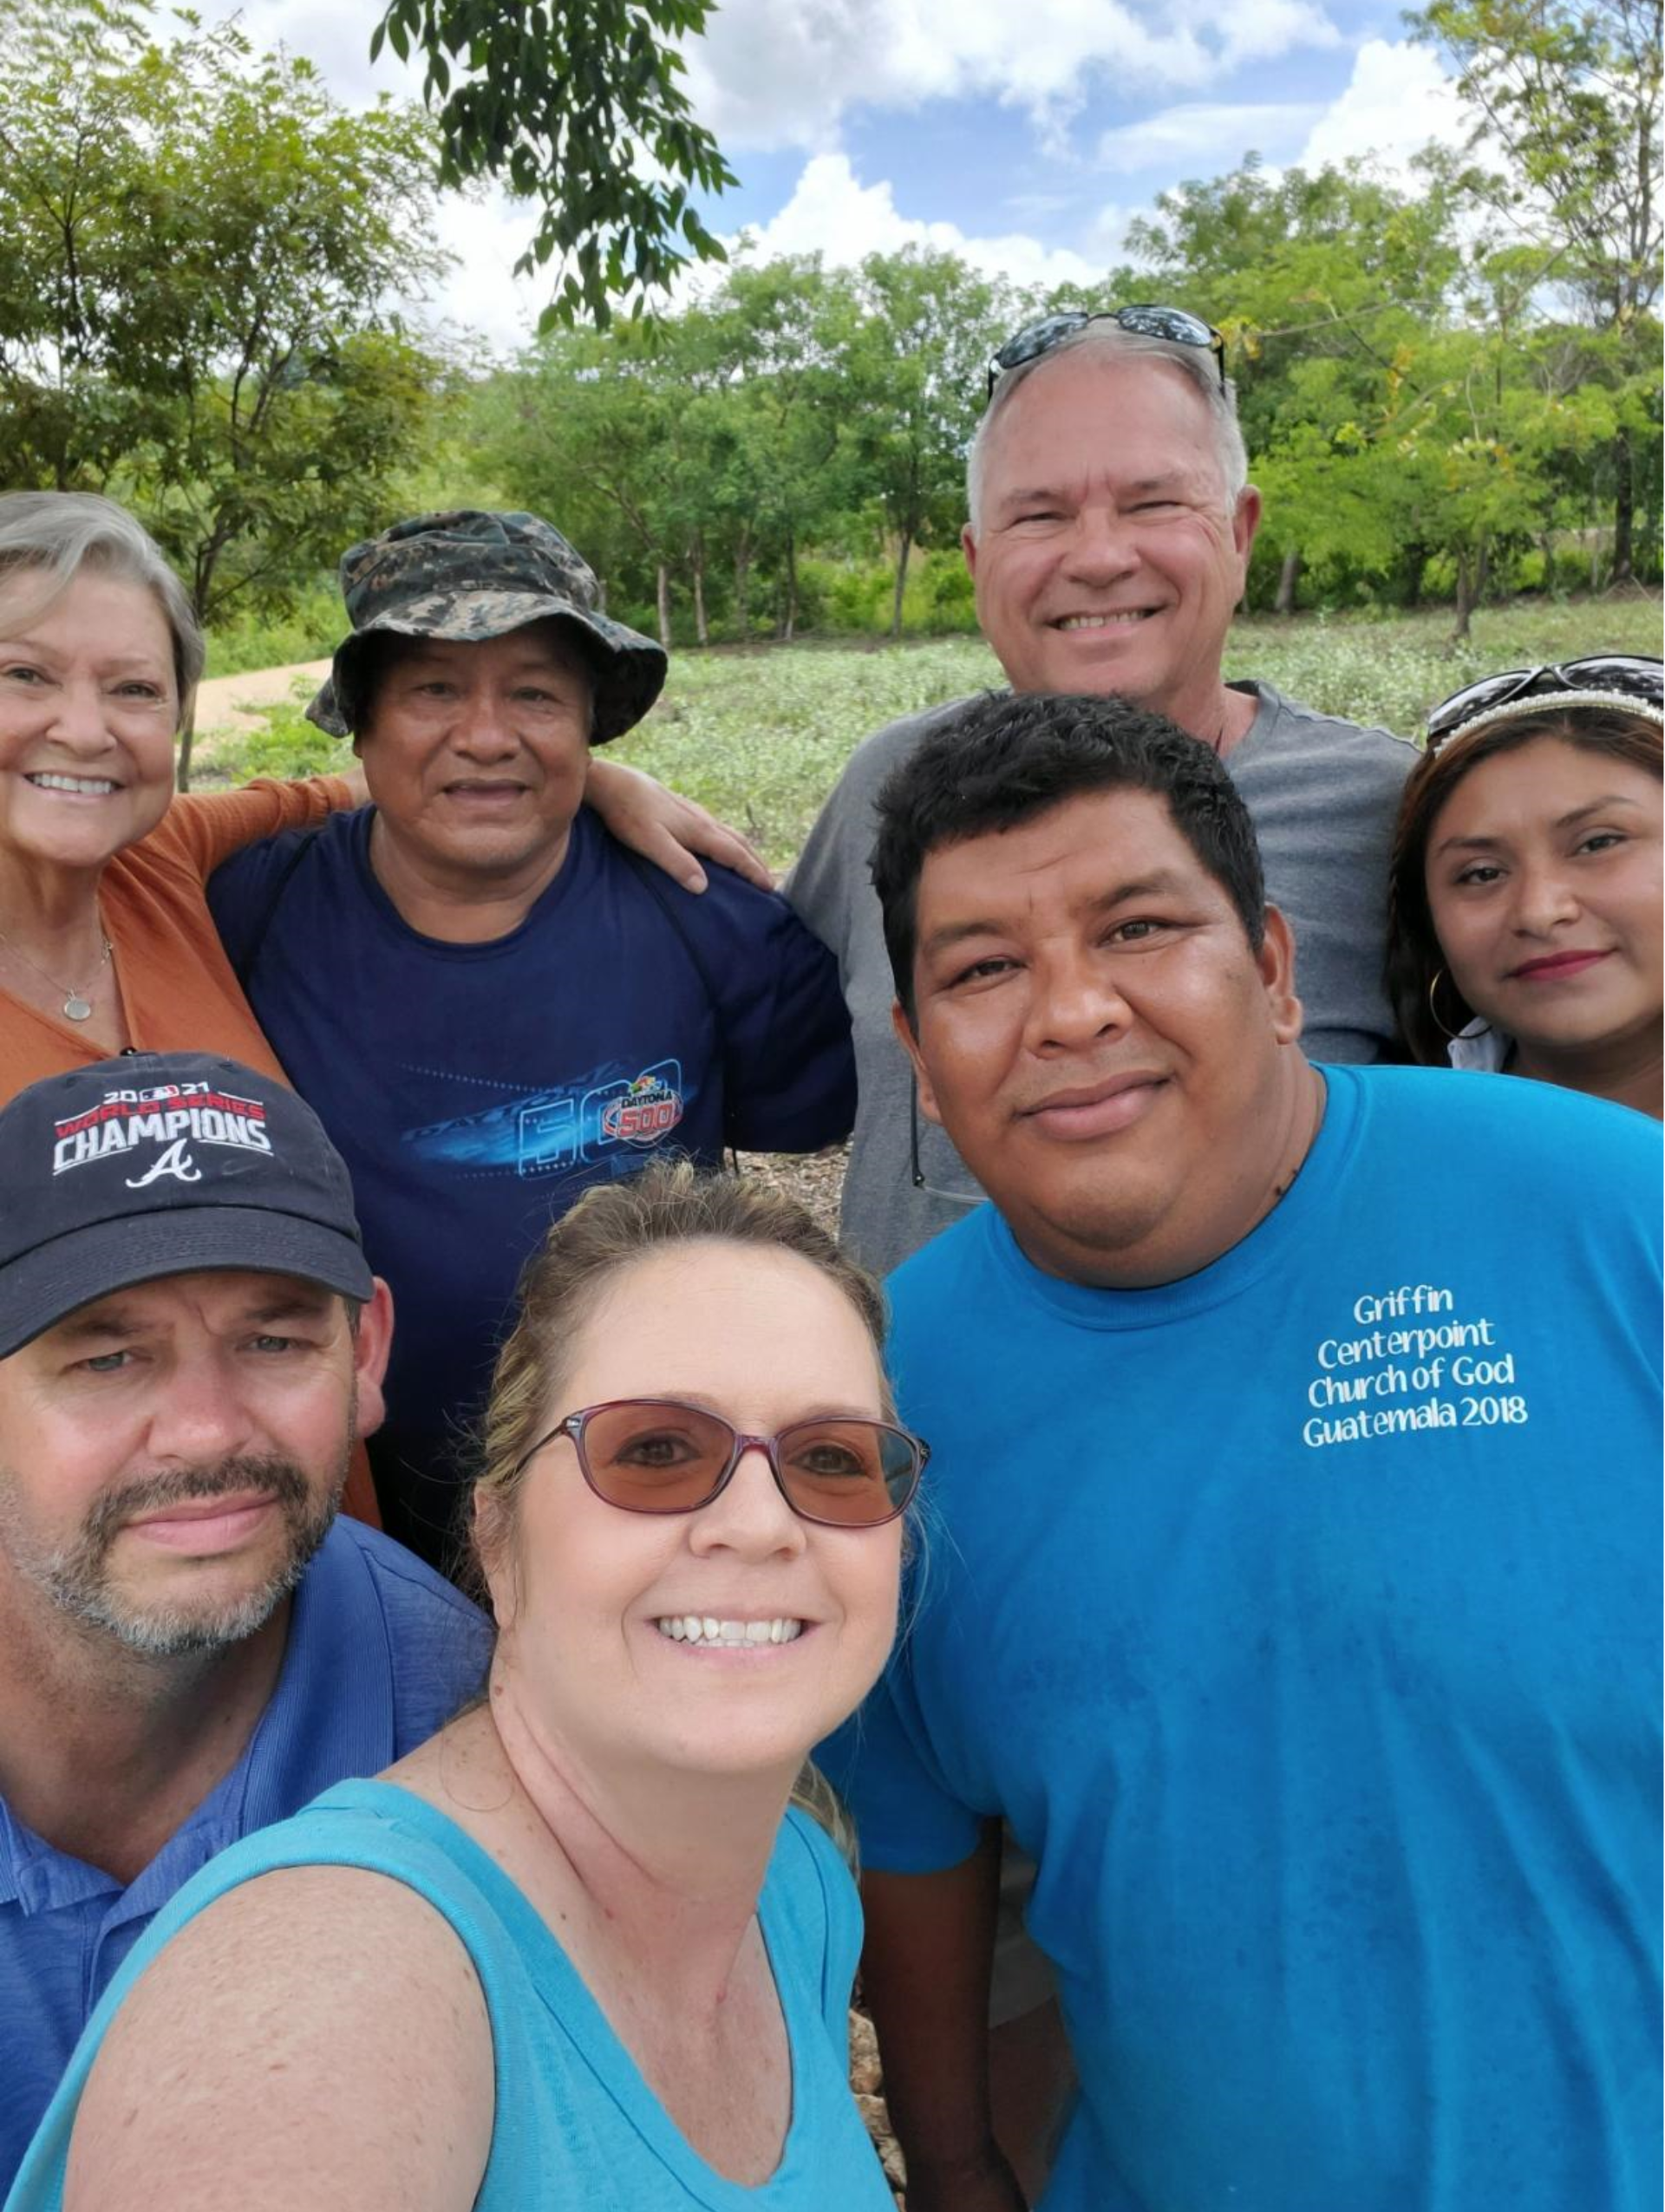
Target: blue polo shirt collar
column 331, row 1713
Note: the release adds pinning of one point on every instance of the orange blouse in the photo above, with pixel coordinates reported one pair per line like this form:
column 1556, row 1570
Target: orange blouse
column 178, row 991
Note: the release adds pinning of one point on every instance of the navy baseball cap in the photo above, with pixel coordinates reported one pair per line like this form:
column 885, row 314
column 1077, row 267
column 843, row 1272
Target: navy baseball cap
column 163, row 1163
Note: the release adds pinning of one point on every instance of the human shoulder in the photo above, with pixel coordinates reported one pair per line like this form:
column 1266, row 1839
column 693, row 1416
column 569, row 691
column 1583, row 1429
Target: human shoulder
column 315, row 2036
column 1284, row 727
column 812, row 1893
column 201, row 831
column 829, row 886
column 753, row 957
column 1463, row 1108
column 875, row 757
column 847, row 811
column 243, row 889
column 727, row 901
column 335, row 833
column 438, row 1642
column 401, row 1574
column 889, row 746
column 942, row 1268
column 808, row 1856
column 1529, row 1156
column 952, row 1302
column 1584, row 1136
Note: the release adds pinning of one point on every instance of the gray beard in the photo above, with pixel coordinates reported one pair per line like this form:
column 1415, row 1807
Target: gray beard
column 75, row 1575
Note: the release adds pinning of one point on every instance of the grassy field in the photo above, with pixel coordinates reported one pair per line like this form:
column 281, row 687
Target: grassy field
column 760, row 736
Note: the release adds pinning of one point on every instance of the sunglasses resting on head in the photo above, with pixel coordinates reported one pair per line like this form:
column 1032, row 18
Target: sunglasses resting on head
column 1630, row 682
column 1144, row 320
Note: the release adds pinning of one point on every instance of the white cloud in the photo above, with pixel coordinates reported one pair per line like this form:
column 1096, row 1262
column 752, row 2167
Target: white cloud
column 1259, row 31
column 482, row 228
column 1397, row 99
column 771, row 73
column 336, row 38
column 1107, row 234
column 486, row 232
column 782, row 72
column 1215, row 135
column 832, row 213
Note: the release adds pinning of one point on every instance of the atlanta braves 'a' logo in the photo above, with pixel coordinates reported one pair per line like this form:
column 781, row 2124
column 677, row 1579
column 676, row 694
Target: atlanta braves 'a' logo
column 175, row 1161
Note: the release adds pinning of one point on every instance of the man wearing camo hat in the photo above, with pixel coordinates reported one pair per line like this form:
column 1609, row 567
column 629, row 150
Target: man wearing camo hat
column 489, row 1002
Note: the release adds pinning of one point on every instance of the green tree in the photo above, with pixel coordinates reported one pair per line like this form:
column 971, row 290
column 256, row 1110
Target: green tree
column 589, row 432
column 775, row 419
column 704, row 450
column 1325, row 284
column 913, row 370
column 196, row 246
column 1411, row 407
column 1567, row 93
column 575, row 103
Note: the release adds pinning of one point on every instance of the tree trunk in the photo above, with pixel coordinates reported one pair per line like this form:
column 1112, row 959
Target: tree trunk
column 187, row 737
column 701, row 629
column 1287, row 576
column 1464, row 598
column 1624, row 510
column 789, row 612
column 744, row 584
column 206, row 562
column 901, row 584
column 664, row 595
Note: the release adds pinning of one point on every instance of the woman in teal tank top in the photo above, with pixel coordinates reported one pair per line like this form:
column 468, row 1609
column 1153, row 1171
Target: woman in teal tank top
column 578, row 1951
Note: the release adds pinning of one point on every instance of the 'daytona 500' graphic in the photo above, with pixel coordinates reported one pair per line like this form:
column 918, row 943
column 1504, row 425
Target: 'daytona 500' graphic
column 602, row 1120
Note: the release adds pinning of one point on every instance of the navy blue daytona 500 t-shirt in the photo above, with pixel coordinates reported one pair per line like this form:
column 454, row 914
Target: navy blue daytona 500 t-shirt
column 475, row 1090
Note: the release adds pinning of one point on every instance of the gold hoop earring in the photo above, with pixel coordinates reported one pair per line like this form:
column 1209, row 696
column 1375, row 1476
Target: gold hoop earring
column 1434, row 982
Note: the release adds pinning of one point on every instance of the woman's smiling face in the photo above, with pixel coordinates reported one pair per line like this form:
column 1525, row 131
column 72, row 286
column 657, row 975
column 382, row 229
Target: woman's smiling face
column 1544, row 883
column 89, row 706
column 584, row 1593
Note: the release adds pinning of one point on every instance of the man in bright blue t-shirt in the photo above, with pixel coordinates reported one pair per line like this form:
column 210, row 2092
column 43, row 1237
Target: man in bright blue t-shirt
column 488, row 1001
column 191, row 1645
column 1294, row 1587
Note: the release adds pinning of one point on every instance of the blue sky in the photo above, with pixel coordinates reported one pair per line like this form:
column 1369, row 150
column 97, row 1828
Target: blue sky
column 1023, row 134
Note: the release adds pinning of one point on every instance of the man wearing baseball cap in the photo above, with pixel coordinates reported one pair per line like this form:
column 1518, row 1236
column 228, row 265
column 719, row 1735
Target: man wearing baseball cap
column 488, row 1001
column 192, row 1644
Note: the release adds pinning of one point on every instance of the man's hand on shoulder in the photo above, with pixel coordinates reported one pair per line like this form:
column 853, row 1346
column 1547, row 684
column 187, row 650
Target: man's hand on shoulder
column 668, row 829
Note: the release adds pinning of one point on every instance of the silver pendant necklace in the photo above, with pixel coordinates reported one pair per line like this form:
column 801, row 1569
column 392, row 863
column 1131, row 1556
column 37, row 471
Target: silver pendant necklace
column 77, row 1005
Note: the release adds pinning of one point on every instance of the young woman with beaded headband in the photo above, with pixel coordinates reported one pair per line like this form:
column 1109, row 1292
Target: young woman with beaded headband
column 578, row 1951
column 1525, row 894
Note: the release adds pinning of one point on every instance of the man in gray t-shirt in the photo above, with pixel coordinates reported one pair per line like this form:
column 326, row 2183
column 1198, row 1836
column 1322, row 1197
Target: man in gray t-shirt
column 1109, row 534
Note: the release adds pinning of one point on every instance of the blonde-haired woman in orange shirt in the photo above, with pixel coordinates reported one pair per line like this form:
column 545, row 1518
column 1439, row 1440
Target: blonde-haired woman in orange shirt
column 105, row 943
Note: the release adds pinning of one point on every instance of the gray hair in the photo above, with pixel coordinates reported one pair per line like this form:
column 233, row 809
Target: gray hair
column 60, row 533
column 1195, row 361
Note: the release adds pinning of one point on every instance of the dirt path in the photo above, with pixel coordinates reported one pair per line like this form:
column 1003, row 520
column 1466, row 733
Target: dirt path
column 221, row 701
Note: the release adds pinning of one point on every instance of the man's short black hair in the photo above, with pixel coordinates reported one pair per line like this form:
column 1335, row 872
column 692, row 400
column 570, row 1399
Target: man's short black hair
column 1005, row 758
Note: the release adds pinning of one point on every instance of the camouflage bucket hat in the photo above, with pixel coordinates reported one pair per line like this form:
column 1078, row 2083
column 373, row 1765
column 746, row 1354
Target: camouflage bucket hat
column 473, row 575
